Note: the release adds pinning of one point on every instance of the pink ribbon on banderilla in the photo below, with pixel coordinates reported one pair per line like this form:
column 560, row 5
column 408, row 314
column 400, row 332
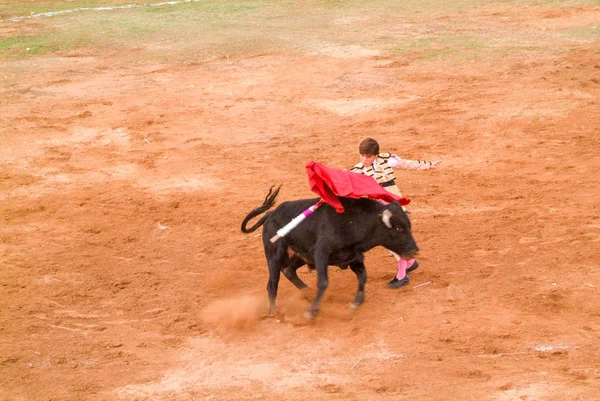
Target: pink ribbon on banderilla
column 283, row 231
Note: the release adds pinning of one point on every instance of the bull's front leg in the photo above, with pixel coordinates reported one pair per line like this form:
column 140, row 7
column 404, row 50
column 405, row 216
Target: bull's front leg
column 321, row 263
column 361, row 274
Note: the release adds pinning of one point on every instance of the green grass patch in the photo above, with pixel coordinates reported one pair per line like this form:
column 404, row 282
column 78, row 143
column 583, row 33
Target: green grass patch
column 436, row 29
column 589, row 33
column 444, row 46
column 564, row 3
column 24, row 45
column 15, row 9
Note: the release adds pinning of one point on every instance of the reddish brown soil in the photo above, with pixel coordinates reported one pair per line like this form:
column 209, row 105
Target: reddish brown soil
column 124, row 274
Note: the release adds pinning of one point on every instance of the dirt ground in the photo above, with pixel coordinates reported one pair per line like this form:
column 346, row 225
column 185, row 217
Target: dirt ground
column 125, row 275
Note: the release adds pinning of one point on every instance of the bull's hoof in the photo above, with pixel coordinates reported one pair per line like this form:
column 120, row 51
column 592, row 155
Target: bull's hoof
column 358, row 300
column 395, row 283
column 311, row 314
column 267, row 317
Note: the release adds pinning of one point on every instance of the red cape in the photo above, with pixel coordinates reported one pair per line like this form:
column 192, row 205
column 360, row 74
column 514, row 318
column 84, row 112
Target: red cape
column 329, row 183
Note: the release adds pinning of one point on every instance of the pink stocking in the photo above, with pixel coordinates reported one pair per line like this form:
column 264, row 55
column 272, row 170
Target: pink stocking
column 402, row 266
column 410, row 262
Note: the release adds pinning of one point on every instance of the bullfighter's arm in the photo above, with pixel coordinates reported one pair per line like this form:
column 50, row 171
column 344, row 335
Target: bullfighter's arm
column 397, row 162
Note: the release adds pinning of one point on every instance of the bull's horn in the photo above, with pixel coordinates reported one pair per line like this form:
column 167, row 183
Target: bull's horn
column 385, row 217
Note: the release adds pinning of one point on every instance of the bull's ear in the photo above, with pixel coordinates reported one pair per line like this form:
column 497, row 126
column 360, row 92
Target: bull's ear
column 386, row 216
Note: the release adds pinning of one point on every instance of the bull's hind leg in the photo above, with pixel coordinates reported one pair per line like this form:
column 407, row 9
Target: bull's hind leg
column 276, row 257
column 289, row 271
column 361, row 274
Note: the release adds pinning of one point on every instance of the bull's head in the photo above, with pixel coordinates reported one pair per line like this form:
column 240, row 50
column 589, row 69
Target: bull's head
column 394, row 218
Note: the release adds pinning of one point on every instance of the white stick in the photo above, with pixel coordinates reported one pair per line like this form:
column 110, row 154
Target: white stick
column 356, row 363
column 283, row 231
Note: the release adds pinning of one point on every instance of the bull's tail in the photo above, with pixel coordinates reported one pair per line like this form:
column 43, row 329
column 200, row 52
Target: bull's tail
column 267, row 204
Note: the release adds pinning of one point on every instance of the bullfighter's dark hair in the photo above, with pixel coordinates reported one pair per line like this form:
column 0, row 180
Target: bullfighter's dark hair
column 369, row 146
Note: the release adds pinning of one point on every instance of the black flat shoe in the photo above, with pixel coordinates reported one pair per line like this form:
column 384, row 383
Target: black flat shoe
column 395, row 283
column 412, row 267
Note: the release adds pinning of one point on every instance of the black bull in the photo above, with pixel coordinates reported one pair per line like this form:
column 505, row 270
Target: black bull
column 329, row 238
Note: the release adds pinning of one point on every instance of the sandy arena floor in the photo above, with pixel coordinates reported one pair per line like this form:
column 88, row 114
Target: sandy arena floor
column 125, row 274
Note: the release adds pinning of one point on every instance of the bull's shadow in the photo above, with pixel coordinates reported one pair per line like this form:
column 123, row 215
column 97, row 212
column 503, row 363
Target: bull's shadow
column 327, row 238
